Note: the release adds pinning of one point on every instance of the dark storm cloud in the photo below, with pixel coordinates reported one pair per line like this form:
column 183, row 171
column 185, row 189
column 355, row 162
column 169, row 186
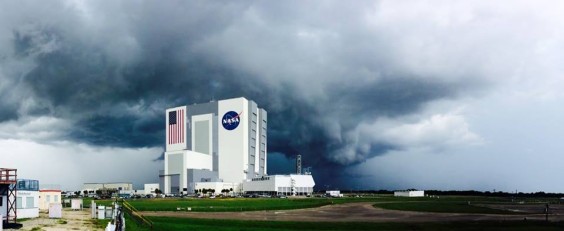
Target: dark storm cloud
column 113, row 81
column 8, row 112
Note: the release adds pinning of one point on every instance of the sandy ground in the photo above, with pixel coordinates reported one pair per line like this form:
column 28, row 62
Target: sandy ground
column 75, row 220
column 353, row 212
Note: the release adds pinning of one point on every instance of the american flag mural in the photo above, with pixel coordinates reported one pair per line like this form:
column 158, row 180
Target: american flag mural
column 176, row 126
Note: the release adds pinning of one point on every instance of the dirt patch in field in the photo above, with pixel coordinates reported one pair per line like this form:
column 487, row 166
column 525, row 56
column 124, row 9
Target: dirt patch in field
column 72, row 220
column 351, row 212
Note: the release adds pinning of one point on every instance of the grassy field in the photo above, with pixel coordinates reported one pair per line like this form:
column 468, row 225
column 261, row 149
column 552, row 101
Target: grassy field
column 444, row 204
column 167, row 223
column 441, row 207
column 87, row 201
column 224, row 205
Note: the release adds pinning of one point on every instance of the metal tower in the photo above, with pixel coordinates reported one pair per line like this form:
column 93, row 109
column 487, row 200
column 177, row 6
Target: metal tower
column 299, row 164
column 8, row 180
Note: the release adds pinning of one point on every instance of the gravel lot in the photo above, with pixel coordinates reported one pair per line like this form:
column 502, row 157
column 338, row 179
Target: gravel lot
column 75, row 220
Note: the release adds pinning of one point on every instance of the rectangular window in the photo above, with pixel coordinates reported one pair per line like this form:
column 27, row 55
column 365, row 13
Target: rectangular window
column 29, row 202
column 19, row 203
column 48, row 198
column 56, row 198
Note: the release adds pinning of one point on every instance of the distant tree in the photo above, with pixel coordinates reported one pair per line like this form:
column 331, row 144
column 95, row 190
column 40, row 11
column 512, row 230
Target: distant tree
column 158, row 191
column 77, row 193
column 85, row 193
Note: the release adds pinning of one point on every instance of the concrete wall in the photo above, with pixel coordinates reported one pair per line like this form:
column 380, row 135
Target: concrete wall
column 199, row 175
column 176, row 163
column 233, row 148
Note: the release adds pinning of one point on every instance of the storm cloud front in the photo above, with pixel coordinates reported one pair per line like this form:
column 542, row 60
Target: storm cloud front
column 342, row 83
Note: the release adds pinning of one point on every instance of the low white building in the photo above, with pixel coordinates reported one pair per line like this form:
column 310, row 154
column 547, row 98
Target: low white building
column 49, row 194
column 48, row 197
column 27, row 198
column 280, row 185
column 217, row 186
column 414, row 193
column 149, row 189
column 104, row 186
column 334, row 193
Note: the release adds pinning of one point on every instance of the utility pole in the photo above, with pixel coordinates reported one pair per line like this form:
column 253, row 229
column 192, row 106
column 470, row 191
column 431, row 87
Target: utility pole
column 546, row 212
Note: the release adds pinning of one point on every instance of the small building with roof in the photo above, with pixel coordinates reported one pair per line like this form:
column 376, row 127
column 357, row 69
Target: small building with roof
column 27, row 198
column 49, row 194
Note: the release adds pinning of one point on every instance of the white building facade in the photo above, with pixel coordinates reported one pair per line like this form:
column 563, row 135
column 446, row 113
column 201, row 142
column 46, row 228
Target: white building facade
column 413, row 193
column 218, row 187
column 149, row 189
column 27, row 198
column 105, row 186
column 281, row 185
column 48, row 197
column 219, row 141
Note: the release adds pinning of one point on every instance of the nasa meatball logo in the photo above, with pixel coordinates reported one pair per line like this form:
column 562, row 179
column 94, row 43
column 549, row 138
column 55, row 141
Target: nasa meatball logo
column 230, row 120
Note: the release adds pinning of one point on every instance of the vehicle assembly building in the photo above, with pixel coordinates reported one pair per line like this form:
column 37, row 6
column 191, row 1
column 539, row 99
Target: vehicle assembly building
column 220, row 143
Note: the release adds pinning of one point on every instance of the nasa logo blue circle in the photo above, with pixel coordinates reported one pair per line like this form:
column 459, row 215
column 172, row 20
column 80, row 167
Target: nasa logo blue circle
column 230, row 120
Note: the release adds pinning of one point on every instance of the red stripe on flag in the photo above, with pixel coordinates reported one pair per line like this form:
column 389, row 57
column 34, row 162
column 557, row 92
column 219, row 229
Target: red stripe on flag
column 178, row 126
column 176, row 130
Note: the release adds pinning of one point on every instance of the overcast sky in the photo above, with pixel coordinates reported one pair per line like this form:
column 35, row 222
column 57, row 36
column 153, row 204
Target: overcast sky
column 450, row 95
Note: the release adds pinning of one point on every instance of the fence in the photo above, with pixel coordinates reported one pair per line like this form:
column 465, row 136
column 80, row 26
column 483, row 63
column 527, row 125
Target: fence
column 136, row 216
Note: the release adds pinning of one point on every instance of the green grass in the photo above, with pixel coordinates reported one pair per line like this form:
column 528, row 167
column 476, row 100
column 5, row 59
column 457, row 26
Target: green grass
column 169, row 223
column 442, row 204
column 62, row 221
column 441, row 207
column 87, row 201
column 130, row 224
column 100, row 223
column 446, row 204
column 224, row 205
